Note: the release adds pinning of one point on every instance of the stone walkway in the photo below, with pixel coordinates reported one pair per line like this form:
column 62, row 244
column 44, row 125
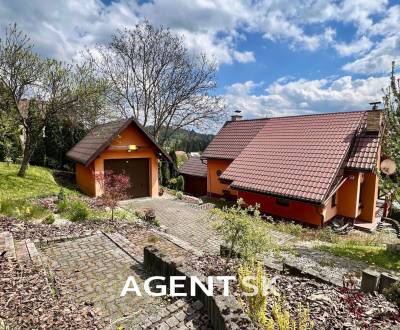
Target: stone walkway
column 98, row 270
column 182, row 220
column 194, row 226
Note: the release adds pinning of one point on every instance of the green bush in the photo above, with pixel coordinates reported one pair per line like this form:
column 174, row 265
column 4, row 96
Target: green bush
column 395, row 213
column 22, row 209
column 78, row 211
column 393, row 293
column 62, row 206
column 180, row 183
column 61, row 195
column 49, row 219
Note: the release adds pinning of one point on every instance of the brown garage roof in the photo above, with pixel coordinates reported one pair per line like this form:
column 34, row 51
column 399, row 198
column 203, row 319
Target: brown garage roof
column 194, row 166
column 233, row 137
column 297, row 157
column 101, row 136
column 364, row 153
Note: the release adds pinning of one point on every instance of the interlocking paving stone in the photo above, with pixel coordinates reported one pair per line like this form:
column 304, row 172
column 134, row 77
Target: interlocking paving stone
column 99, row 269
column 190, row 224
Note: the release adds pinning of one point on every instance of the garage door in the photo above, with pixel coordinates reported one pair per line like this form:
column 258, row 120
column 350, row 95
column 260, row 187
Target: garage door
column 137, row 169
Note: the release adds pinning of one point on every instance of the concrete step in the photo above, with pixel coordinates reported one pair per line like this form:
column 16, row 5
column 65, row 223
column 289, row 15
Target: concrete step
column 22, row 251
column 7, row 248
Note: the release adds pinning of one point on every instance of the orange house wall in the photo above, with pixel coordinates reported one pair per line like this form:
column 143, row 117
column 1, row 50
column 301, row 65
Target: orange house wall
column 85, row 178
column 296, row 210
column 214, row 186
column 128, row 137
column 348, row 195
column 369, row 197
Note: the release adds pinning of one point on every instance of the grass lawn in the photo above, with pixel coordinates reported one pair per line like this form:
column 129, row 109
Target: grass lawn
column 39, row 182
column 373, row 255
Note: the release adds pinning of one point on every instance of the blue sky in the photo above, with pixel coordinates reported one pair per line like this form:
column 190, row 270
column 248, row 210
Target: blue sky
column 274, row 57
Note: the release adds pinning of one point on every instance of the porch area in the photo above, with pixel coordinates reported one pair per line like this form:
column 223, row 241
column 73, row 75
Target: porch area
column 371, row 226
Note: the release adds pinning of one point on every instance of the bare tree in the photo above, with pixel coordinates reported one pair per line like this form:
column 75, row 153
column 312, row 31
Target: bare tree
column 40, row 88
column 155, row 78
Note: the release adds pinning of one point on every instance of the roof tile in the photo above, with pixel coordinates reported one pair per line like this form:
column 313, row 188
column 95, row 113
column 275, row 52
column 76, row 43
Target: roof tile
column 298, row 157
column 194, row 166
column 233, row 137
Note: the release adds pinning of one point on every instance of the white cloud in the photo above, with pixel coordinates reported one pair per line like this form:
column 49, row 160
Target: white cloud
column 244, row 57
column 379, row 59
column 217, row 27
column 306, row 96
column 356, row 47
column 385, row 50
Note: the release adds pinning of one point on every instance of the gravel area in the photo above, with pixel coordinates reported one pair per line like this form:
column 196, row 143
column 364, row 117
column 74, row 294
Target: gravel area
column 21, row 229
column 331, row 307
column 28, row 302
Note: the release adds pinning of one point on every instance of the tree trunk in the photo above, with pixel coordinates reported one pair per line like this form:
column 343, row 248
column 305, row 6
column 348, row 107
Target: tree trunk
column 25, row 158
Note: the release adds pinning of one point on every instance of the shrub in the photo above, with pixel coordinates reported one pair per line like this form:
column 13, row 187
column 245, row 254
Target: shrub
column 49, row 219
column 115, row 188
column 242, row 233
column 138, row 214
column 172, row 183
column 153, row 239
column 78, row 211
column 180, row 183
column 22, row 209
column 393, row 293
column 61, row 195
column 179, row 195
column 257, row 305
column 62, row 206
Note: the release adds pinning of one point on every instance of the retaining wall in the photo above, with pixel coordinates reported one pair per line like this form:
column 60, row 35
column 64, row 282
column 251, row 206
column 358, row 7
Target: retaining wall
column 223, row 312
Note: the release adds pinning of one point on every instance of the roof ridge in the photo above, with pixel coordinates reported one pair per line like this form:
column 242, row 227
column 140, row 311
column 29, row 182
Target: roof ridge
column 113, row 122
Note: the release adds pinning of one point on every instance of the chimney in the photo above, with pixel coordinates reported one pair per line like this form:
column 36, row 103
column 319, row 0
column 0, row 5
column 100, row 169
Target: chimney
column 237, row 116
column 374, row 118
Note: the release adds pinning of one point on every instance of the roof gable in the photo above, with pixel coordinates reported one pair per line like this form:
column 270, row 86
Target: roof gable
column 233, row 137
column 102, row 136
column 194, row 166
column 299, row 157
column 364, row 153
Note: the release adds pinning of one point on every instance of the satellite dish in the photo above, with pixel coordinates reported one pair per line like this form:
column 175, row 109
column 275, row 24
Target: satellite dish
column 388, row 166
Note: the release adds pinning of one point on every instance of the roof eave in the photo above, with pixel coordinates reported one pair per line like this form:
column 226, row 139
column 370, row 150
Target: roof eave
column 294, row 198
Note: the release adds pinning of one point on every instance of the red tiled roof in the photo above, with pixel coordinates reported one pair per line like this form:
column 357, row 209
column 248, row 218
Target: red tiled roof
column 298, row 157
column 233, row 137
column 194, row 166
column 364, row 153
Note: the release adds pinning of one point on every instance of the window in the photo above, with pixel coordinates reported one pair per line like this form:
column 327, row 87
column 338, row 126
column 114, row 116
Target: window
column 219, row 172
column 333, row 204
column 282, row 202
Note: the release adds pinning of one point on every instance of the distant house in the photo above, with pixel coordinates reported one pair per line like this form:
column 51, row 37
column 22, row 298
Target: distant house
column 122, row 147
column 194, row 171
column 308, row 168
column 180, row 153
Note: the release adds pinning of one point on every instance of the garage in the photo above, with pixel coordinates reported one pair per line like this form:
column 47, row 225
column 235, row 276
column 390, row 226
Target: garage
column 194, row 171
column 137, row 169
column 123, row 147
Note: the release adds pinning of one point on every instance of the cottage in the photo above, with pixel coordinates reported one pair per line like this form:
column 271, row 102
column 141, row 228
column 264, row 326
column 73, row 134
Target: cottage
column 123, row 147
column 194, row 171
column 308, row 168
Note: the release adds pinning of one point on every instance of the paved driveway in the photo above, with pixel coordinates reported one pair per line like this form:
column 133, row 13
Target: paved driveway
column 186, row 221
